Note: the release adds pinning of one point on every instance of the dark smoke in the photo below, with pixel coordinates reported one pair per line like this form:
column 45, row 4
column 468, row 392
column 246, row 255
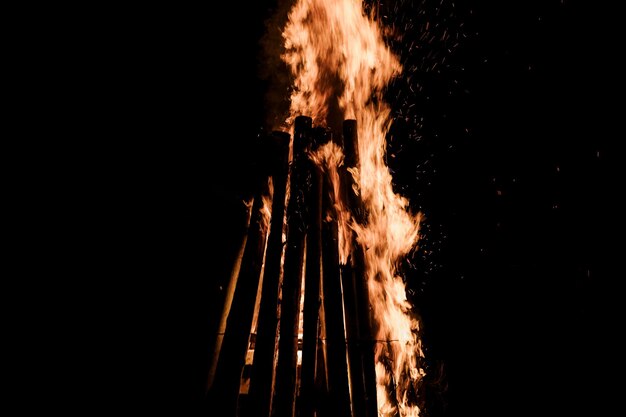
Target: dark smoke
column 272, row 70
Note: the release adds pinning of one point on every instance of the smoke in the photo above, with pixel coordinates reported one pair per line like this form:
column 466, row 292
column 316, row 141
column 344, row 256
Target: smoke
column 272, row 69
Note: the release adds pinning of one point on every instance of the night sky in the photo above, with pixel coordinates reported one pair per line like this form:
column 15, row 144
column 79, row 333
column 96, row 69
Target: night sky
column 503, row 145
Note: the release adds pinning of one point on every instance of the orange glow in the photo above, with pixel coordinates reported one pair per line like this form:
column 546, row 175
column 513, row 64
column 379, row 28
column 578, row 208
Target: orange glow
column 266, row 208
column 329, row 157
column 339, row 60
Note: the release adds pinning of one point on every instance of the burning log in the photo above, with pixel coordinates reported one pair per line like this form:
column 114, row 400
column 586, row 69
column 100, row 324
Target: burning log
column 312, row 283
column 235, row 342
column 337, row 376
column 285, row 389
column 356, row 298
column 337, row 368
column 333, row 78
column 262, row 375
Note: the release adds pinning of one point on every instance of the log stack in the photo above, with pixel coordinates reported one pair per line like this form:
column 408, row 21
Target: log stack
column 295, row 335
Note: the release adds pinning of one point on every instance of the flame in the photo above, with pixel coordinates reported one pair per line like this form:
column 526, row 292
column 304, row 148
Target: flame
column 266, row 207
column 341, row 64
column 329, row 157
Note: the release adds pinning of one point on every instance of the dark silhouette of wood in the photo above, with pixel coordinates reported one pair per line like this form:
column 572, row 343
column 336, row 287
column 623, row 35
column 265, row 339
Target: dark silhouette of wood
column 283, row 404
column 224, row 391
column 321, row 382
column 227, row 303
column 337, row 378
column 262, row 374
column 311, row 310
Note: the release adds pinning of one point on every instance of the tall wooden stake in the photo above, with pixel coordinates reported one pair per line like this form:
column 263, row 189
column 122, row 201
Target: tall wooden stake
column 312, row 283
column 262, row 375
column 227, row 303
column 283, row 404
column 360, row 340
column 225, row 388
column 338, row 389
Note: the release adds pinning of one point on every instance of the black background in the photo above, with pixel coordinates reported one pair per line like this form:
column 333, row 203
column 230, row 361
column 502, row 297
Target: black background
column 510, row 168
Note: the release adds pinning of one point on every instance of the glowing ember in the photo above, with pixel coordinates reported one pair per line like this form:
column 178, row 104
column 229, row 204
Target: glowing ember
column 340, row 65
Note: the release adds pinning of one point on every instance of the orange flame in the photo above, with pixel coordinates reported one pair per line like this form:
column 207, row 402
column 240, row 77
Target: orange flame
column 339, row 60
column 266, row 208
column 329, row 157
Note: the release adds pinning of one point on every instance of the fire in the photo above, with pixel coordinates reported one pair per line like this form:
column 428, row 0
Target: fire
column 266, row 208
column 329, row 158
column 341, row 64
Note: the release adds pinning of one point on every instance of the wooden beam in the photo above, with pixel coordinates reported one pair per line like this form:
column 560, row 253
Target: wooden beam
column 283, row 404
column 307, row 401
column 338, row 389
column 224, row 392
column 227, row 303
column 262, row 374
column 360, row 339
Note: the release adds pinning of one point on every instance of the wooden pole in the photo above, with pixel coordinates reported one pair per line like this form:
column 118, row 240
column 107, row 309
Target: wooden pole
column 262, row 375
column 283, row 404
column 228, row 300
column 338, row 389
column 311, row 310
column 360, row 340
column 224, row 392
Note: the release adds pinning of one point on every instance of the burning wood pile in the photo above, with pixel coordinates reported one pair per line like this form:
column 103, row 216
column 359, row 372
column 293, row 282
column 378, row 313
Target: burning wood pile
column 316, row 319
column 322, row 358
